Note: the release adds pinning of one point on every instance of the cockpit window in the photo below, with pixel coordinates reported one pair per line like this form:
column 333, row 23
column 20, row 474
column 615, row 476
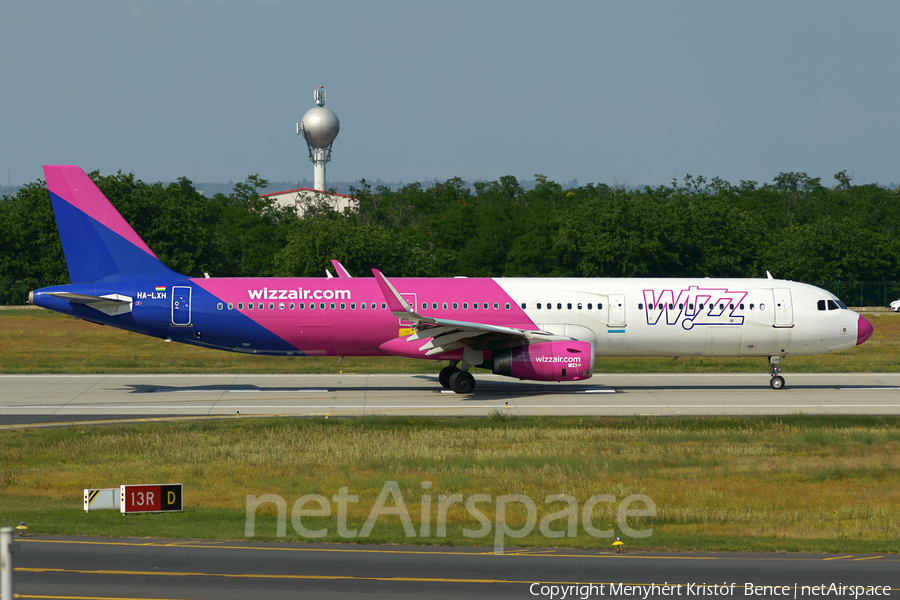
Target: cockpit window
column 821, row 305
column 832, row 305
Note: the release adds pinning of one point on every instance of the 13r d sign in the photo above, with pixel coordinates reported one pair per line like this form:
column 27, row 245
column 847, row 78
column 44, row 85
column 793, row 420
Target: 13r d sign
column 150, row 498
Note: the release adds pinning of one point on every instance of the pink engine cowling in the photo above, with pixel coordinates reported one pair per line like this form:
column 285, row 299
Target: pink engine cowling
column 546, row 361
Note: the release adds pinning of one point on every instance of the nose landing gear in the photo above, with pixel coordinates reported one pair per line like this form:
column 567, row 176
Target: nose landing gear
column 777, row 381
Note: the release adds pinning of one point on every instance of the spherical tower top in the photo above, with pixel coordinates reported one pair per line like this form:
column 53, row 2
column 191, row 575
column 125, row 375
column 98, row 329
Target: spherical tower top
column 319, row 126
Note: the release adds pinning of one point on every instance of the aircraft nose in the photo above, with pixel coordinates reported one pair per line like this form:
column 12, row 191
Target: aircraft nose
column 863, row 330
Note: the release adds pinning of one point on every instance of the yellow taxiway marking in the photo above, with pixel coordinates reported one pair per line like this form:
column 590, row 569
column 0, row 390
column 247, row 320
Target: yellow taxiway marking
column 537, row 552
column 282, row 576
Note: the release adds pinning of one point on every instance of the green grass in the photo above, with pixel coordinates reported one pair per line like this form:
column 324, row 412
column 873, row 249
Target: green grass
column 40, row 341
column 802, row 483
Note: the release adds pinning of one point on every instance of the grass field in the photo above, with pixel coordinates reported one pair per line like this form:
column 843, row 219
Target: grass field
column 815, row 484
column 40, row 341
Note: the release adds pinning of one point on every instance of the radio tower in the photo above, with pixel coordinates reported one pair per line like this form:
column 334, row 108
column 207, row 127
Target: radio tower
column 319, row 126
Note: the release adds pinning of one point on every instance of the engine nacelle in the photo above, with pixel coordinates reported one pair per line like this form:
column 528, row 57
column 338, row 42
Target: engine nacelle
column 546, row 361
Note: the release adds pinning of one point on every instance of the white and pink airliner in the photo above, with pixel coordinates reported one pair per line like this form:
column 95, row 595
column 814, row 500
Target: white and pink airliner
column 543, row 329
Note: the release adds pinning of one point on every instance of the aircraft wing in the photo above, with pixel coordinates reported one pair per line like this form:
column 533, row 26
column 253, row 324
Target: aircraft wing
column 111, row 304
column 447, row 334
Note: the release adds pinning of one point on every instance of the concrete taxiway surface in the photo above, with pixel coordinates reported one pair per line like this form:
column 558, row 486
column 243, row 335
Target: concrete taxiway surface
column 35, row 399
column 103, row 568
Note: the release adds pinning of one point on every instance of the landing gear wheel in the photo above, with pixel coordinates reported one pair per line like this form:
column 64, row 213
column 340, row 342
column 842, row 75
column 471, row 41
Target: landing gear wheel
column 445, row 374
column 462, row 382
column 777, row 381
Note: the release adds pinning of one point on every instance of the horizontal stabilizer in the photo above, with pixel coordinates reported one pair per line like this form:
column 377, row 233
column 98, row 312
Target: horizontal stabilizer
column 111, row 304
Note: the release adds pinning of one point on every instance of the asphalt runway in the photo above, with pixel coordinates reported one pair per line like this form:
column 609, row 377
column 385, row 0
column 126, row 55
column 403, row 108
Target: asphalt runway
column 100, row 568
column 50, row 399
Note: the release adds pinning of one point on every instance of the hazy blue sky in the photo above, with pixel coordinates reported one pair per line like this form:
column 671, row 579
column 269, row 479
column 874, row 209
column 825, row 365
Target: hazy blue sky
column 627, row 92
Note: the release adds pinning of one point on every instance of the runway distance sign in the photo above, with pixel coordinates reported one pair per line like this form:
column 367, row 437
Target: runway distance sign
column 150, row 498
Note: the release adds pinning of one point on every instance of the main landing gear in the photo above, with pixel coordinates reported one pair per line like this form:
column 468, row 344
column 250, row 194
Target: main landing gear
column 453, row 378
column 777, row 381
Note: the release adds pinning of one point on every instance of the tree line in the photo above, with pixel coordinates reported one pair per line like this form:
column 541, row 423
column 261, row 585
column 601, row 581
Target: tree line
column 795, row 227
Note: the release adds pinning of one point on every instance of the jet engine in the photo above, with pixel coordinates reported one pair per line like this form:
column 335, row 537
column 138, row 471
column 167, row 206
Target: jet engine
column 546, row 361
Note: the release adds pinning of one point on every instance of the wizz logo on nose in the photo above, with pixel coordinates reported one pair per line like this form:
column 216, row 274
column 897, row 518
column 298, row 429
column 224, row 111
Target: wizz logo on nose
column 694, row 306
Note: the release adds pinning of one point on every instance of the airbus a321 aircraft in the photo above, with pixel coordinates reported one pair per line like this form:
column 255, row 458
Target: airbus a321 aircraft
column 532, row 329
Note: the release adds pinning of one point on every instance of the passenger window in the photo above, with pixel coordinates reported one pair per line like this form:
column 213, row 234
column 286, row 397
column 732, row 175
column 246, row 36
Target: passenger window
column 343, row 305
column 230, row 306
column 496, row 305
column 721, row 306
column 322, row 305
column 434, row 306
column 465, row 306
column 523, row 306
column 559, row 306
column 444, row 306
column 539, row 305
column 362, row 305
column 301, row 306
column 731, row 306
column 641, row 306
column 312, row 306
column 331, row 305
column 507, row 306
column 569, row 306
column 671, row 307
column 701, row 306
column 549, row 306
column 751, row 306
column 281, row 306
column 353, row 306
column 373, row 307
column 260, row 306
column 762, row 307
column 680, row 306
column 484, row 306
column 742, row 306
column 291, row 306
column 424, row 306
column 599, row 306
column 474, row 306
column 579, row 306
column 240, row 306
column 691, row 306
column 456, row 306
column 250, row 306
column 383, row 305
